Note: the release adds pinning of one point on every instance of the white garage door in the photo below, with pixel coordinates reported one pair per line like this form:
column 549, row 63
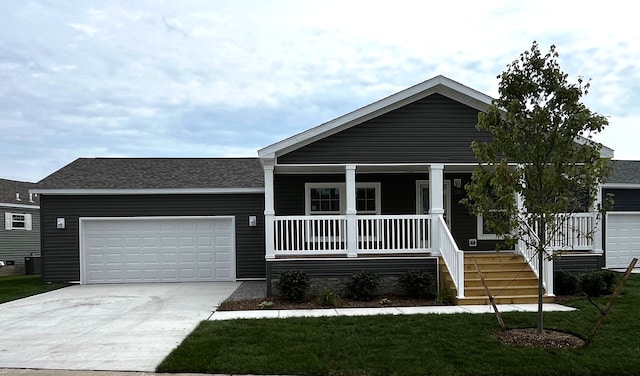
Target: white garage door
column 174, row 249
column 623, row 238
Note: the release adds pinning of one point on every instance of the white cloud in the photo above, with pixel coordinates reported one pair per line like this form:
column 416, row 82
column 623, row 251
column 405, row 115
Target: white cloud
column 194, row 78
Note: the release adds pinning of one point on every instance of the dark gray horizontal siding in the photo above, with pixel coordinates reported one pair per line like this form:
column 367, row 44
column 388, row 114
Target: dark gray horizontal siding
column 60, row 248
column 346, row 267
column 398, row 195
column 432, row 129
column 578, row 263
column 333, row 273
column 624, row 199
column 17, row 244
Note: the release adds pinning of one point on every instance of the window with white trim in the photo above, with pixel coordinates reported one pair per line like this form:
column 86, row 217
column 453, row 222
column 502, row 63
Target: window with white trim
column 483, row 231
column 17, row 221
column 330, row 198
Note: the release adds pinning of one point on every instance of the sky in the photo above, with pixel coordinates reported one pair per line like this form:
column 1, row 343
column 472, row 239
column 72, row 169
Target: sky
column 226, row 78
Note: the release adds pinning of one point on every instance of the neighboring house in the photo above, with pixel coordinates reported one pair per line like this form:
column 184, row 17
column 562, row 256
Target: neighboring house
column 19, row 225
column 377, row 189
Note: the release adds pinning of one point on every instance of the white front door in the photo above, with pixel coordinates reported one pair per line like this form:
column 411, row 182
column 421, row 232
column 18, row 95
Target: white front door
column 422, row 199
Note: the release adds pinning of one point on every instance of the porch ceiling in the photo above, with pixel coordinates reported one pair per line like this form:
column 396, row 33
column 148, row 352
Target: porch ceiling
column 370, row 168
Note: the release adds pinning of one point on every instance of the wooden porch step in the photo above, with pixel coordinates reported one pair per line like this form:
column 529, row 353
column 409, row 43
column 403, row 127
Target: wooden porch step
column 508, row 277
column 511, row 265
column 529, row 280
column 517, row 299
column 501, row 291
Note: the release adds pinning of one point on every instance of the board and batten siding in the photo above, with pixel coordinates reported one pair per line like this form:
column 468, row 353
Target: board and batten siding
column 435, row 129
column 17, row 244
column 60, row 248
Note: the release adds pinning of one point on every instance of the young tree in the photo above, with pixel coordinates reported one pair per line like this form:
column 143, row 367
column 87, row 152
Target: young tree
column 542, row 164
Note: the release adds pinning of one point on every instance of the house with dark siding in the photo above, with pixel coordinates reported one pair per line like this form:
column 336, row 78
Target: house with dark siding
column 19, row 226
column 377, row 189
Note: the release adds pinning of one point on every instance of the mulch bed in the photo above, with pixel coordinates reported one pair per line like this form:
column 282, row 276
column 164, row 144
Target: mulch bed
column 529, row 337
column 279, row 303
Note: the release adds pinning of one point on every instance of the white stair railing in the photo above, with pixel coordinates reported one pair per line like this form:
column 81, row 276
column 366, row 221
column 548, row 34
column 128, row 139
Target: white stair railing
column 452, row 256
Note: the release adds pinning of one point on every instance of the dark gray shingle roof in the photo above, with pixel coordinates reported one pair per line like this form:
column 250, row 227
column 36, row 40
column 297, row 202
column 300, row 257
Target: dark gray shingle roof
column 625, row 172
column 9, row 188
column 157, row 173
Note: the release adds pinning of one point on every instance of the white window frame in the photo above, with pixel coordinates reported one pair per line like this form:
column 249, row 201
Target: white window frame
column 481, row 234
column 342, row 187
column 9, row 220
column 446, row 199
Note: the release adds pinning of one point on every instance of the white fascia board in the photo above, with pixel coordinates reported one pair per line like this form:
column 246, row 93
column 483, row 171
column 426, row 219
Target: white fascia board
column 605, row 151
column 21, row 206
column 438, row 84
column 169, row 191
column 621, row 185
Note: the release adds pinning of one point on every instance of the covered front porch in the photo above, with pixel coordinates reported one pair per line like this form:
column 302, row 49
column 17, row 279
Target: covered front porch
column 357, row 211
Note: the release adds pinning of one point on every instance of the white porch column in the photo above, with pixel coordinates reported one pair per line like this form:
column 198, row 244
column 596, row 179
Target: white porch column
column 436, row 189
column 352, row 224
column 597, row 223
column 436, row 204
column 269, row 210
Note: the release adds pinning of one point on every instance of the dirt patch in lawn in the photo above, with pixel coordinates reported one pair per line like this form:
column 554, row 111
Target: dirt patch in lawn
column 529, row 337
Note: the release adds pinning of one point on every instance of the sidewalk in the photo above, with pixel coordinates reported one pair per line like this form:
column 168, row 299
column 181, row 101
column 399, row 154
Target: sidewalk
column 439, row 310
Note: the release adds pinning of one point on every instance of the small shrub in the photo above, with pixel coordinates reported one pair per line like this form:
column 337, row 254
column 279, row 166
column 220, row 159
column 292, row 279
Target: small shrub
column 266, row 304
column 293, row 285
column 417, row 284
column 329, row 299
column 593, row 284
column 385, row 301
column 610, row 279
column 565, row 283
column 363, row 285
column 598, row 283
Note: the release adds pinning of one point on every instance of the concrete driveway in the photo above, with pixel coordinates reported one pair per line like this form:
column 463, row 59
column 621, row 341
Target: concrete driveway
column 129, row 327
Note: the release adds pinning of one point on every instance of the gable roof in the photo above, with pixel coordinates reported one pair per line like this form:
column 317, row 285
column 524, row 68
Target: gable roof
column 155, row 175
column 9, row 189
column 438, row 84
column 624, row 172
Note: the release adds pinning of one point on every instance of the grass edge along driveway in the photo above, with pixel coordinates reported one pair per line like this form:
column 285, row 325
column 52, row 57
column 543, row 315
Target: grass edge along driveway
column 460, row 344
column 22, row 286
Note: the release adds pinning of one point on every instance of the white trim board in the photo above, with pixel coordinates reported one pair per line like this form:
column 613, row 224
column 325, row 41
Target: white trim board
column 149, row 191
column 21, row 206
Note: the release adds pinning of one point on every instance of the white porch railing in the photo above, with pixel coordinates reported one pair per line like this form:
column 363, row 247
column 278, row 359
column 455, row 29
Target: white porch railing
column 328, row 234
column 572, row 232
column 452, row 256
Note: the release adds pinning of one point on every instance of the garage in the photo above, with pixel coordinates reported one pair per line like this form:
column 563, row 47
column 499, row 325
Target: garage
column 157, row 249
column 623, row 238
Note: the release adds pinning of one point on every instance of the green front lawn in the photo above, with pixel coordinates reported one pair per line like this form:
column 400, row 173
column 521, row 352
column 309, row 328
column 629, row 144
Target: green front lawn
column 21, row 286
column 460, row 344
